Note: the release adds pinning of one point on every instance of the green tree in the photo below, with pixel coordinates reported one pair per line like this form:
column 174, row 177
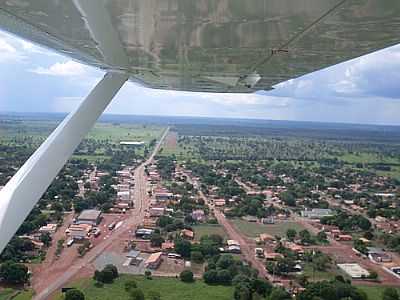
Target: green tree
column 74, row 294
column 291, row 234
column 196, row 256
column 279, row 294
column 130, row 285
column 183, row 247
column 186, row 276
column 12, row 272
column 210, row 277
column 242, row 292
column 156, row 240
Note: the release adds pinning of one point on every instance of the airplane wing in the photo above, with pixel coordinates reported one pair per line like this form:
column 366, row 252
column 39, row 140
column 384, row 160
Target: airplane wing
column 207, row 45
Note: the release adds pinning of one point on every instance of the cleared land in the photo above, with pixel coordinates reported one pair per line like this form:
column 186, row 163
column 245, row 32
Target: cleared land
column 169, row 288
column 251, row 229
column 201, row 230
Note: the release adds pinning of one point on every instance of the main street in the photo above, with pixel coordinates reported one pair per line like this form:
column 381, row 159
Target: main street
column 135, row 218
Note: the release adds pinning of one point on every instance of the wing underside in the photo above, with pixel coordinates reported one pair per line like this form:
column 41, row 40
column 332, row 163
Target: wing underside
column 207, row 45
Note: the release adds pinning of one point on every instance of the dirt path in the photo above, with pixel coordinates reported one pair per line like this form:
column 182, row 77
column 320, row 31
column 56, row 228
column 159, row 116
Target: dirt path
column 49, row 285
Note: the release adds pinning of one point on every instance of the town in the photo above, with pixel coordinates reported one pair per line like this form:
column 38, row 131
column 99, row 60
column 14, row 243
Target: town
column 248, row 217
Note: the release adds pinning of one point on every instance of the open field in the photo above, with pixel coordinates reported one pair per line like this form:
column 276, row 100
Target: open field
column 8, row 292
column 374, row 292
column 169, row 288
column 201, row 230
column 254, row 229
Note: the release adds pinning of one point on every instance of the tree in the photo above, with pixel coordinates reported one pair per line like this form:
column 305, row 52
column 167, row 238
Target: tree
column 186, row 276
column 113, row 269
column 279, row 294
column 136, row 294
column 291, row 234
column 242, row 292
column 74, row 294
column 210, row 277
column 322, row 237
column 45, row 238
column 156, row 240
column 107, row 275
column 390, row 293
column 224, row 277
column 225, row 261
column 183, row 247
column 305, row 237
column 12, row 272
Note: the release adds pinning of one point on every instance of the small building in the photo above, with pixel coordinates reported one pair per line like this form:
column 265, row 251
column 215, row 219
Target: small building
column 198, row 215
column 89, row 216
column 355, row 271
column 167, row 246
column 49, row 228
column 157, row 211
column 219, row 202
column 232, row 243
column 124, row 196
column 233, row 249
column 317, row 213
column 378, row 255
column 272, row 256
column 154, row 260
column 79, row 232
column 143, row 233
column 187, row 234
column 265, row 237
column 163, row 196
column 344, row 237
column 134, row 256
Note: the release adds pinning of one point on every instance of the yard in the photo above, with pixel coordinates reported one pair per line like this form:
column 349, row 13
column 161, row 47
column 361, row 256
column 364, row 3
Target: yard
column 201, row 230
column 252, row 229
column 169, row 288
column 374, row 292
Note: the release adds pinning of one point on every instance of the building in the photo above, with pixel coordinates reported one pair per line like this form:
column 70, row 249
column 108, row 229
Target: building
column 134, row 256
column 232, row 243
column 163, row 196
column 198, row 215
column 143, row 233
column 49, row 228
column 344, row 237
column 89, row 216
column 219, row 202
column 378, row 255
column 79, row 232
column 317, row 213
column 124, row 196
column 187, row 234
column 265, row 237
column 167, row 246
column 154, row 260
column 156, row 211
column 355, row 271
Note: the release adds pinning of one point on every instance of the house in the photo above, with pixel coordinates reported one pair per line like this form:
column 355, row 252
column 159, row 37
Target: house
column 187, row 234
column 134, row 256
column 79, row 232
column 233, row 249
column 198, row 215
column 49, row 228
column 232, row 243
column 344, row 237
column 124, row 196
column 219, row 202
column 163, row 196
column 265, row 237
column 157, row 211
column 166, row 246
column 272, row 256
column 143, row 233
column 154, row 260
column 317, row 213
column 89, row 216
column 378, row 255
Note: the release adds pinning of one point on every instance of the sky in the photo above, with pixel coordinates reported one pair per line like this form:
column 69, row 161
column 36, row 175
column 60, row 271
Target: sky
column 364, row 90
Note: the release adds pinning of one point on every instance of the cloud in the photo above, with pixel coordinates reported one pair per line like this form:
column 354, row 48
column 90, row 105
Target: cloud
column 69, row 68
column 8, row 53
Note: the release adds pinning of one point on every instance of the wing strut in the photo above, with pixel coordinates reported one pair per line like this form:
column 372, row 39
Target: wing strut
column 26, row 187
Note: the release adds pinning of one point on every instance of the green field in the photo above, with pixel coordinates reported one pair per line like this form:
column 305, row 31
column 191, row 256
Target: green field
column 169, row 288
column 374, row 292
column 23, row 295
column 255, row 229
column 201, row 230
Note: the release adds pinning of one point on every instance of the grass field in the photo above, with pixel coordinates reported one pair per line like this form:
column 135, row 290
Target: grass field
column 169, row 288
column 23, row 295
column 374, row 292
column 201, row 230
column 319, row 275
column 254, row 229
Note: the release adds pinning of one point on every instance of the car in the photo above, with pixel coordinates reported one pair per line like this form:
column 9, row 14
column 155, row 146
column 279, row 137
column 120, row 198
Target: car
column 70, row 242
column 112, row 226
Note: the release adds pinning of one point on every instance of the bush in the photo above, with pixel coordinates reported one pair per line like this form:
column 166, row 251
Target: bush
column 130, row 285
column 147, row 273
column 107, row 275
column 224, row 277
column 12, row 272
column 74, row 294
column 210, row 277
column 186, row 276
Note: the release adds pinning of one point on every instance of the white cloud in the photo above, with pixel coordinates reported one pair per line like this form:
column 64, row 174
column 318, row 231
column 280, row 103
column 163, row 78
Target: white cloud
column 8, row 52
column 69, row 68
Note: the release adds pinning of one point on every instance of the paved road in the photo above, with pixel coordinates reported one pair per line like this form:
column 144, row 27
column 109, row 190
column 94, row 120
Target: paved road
column 136, row 218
